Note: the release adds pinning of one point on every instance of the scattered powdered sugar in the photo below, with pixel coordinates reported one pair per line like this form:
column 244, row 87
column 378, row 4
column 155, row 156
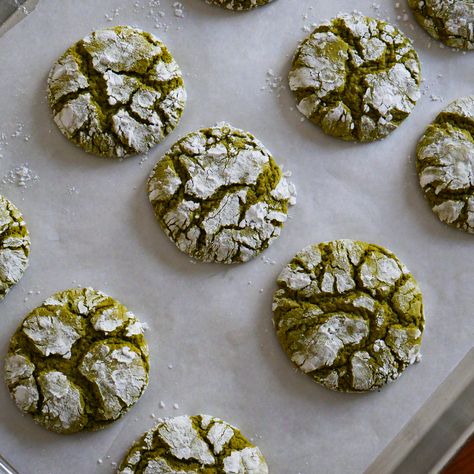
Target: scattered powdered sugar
column 178, row 9
column 273, row 82
column 21, row 176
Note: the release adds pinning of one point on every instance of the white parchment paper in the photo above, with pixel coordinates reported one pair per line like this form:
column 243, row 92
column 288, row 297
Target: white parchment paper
column 213, row 348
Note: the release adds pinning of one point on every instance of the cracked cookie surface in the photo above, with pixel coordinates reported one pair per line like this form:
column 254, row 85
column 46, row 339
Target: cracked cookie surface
column 239, row 5
column 450, row 21
column 356, row 77
column 14, row 246
column 193, row 444
column 349, row 314
column 445, row 164
column 117, row 92
column 219, row 195
column 77, row 362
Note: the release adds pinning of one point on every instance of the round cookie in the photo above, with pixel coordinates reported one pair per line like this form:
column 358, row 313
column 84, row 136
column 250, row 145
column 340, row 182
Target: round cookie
column 349, row 314
column 117, row 92
column 239, row 5
column 14, row 246
column 356, row 77
column 77, row 362
column 219, row 195
column 193, row 444
column 451, row 21
column 445, row 164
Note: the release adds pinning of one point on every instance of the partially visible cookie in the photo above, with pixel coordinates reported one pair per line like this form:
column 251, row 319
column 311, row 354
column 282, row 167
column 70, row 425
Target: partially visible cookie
column 14, row 246
column 219, row 195
column 356, row 77
column 77, row 362
column 349, row 314
column 117, row 92
column 193, row 444
column 450, row 21
column 239, row 5
column 445, row 164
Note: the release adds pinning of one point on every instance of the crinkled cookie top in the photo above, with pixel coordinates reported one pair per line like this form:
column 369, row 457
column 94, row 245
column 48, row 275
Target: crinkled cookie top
column 14, row 246
column 117, row 92
column 193, row 444
column 445, row 164
column 219, row 195
column 77, row 362
column 239, row 5
column 356, row 77
column 349, row 314
column 451, row 21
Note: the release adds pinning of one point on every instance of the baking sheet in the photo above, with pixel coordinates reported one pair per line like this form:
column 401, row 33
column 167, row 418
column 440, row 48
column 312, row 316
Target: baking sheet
column 213, row 348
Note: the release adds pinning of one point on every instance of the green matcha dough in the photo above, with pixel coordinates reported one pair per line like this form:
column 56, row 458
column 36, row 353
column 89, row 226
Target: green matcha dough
column 117, row 92
column 14, row 246
column 193, row 444
column 77, row 362
column 451, row 21
column 239, row 5
column 349, row 314
column 356, row 77
column 219, row 195
column 445, row 164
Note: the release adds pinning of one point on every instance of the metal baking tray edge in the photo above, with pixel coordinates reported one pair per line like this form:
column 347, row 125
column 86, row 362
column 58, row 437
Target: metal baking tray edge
column 438, row 430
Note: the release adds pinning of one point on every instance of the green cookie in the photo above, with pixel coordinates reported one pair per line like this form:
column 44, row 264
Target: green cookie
column 14, row 246
column 219, row 195
column 193, row 444
column 239, row 5
column 450, row 21
column 445, row 164
column 349, row 314
column 78, row 362
column 356, row 77
column 117, row 92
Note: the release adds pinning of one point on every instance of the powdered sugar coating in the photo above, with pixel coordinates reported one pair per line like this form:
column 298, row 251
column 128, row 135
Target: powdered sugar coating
column 14, row 246
column 356, row 77
column 219, row 195
column 349, row 314
column 193, row 444
column 239, row 5
column 445, row 164
column 117, row 92
column 248, row 460
column 78, row 339
column 451, row 21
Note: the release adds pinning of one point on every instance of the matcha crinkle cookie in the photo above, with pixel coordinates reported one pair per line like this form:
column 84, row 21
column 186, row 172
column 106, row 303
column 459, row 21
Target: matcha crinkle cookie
column 219, row 195
column 349, row 314
column 445, row 164
column 356, row 77
column 193, row 444
column 451, row 21
column 14, row 246
column 77, row 362
column 117, row 92
column 239, row 5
